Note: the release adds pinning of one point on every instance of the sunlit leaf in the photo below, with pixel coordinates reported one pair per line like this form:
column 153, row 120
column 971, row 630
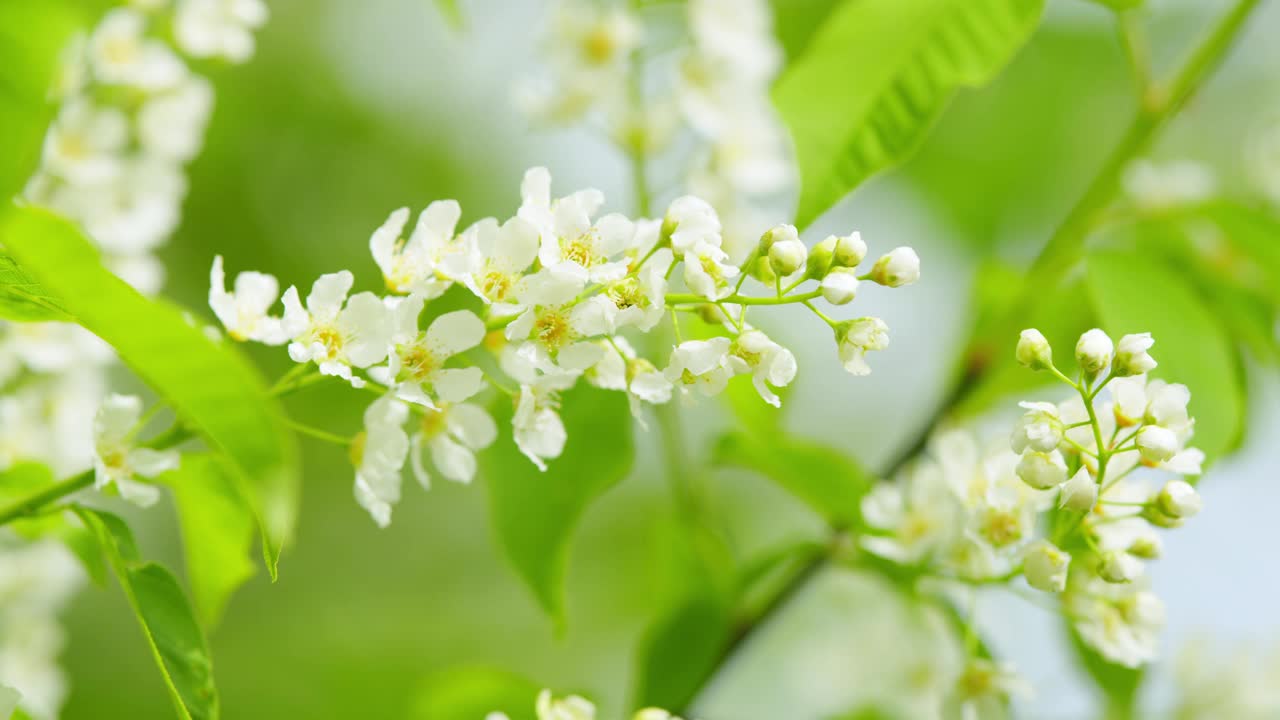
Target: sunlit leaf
column 878, row 73
column 1133, row 293
column 796, row 21
column 217, row 532
column 534, row 514
column 210, row 386
column 20, row 481
column 22, row 299
column 170, row 627
column 471, row 693
column 826, row 480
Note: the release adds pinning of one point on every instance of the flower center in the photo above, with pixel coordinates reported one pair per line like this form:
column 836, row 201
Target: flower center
column 419, row 362
column 552, row 330
column 582, row 250
column 599, row 45
column 627, row 294
column 433, row 423
column 1001, row 528
column 120, row 50
column 330, row 338
column 496, row 285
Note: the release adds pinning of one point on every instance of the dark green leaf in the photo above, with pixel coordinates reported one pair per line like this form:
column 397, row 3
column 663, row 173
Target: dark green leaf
column 825, row 479
column 471, row 693
column 32, row 36
column 21, row 297
column 217, row 532
column 210, row 385
column 680, row 651
column 1134, row 293
column 534, row 513
column 878, row 73
column 170, row 627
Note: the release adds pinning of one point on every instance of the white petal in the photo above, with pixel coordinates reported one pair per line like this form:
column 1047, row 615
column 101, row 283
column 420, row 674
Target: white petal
column 457, row 384
column 472, row 425
column 366, row 328
column 454, row 460
column 150, row 463
column 382, row 244
column 328, row 294
column 454, row 332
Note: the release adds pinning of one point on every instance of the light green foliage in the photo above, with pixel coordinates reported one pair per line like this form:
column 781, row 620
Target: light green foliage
column 21, row 297
column 451, row 10
column 1131, row 293
column 534, row 513
column 680, row 650
column 209, row 385
column 796, row 21
column 1119, row 5
column 21, row 480
column 877, row 75
column 471, row 693
column 217, row 532
column 32, row 35
column 167, row 621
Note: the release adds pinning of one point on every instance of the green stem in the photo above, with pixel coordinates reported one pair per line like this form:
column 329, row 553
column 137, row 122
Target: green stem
column 32, row 504
column 735, row 299
column 317, row 433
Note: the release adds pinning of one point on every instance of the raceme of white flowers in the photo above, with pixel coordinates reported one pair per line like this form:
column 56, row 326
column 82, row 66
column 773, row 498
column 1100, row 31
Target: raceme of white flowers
column 560, row 292
column 1069, row 503
column 576, row 707
column 725, row 61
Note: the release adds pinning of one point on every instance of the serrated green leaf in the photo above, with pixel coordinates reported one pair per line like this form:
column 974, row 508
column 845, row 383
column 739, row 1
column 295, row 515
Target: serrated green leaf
column 828, row 481
column 177, row 643
column 1134, row 293
column 217, row 533
column 534, row 514
column 32, row 36
column 471, row 693
column 22, row 299
column 877, row 75
column 210, row 385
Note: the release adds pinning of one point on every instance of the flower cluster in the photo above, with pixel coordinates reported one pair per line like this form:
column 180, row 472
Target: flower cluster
column 576, row 707
column 720, row 85
column 556, row 291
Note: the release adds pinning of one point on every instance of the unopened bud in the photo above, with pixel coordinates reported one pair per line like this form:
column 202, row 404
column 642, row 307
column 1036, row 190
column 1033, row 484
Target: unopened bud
column 1157, row 444
column 1033, row 350
column 840, row 286
column 821, row 259
column 787, row 256
column 777, row 234
column 901, row 266
column 1179, row 500
column 1045, row 567
column 1093, row 352
column 1118, row 566
column 1132, row 357
column 1042, row 470
column 1147, row 547
column 1079, row 493
column 761, row 269
column 850, row 250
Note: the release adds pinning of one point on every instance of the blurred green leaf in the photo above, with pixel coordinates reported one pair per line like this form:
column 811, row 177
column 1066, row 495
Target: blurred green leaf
column 1134, row 293
column 867, row 712
column 25, row 478
column 217, row 532
column 796, row 21
column 1119, row 684
column 1252, row 252
column 451, row 10
column 534, row 514
column 32, row 36
column 167, row 621
column 22, row 299
column 471, row 693
column 681, row 649
column 211, row 386
column 878, row 73
column 829, row 482
column 1119, row 4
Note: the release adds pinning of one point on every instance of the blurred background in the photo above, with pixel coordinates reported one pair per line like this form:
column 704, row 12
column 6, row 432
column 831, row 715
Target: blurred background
column 350, row 110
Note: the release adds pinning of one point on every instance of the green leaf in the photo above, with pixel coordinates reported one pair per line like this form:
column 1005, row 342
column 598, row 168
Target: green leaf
column 1252, row 252
column 451, row 10
column 32, row 35
column 1119, row 684
column 210, row 385
column 217, row 532
column 680, row 651
column 829, row 482
column 471, row 693
column 170, row 627
column 1133, row 293
column 23, row 479
column 534, row 513
column 878, row 74
column 21, row 297
column 795, row 22
column 1119, row 4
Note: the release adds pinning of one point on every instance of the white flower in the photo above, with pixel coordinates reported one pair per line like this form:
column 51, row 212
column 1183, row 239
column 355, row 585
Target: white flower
column 218, row 28
column 985, row 687
column 572, row 707
column 1157, row 444
column 493, row 259
column 900, row 266
column 690, row 222
column 37, row 581
column 840, row 286
column 919, row 511
column 417, row 364
column 640, row 299
column 1045, row 567
column 620, row 369
column 121, row 54
column 1121, row 622
column 850, row 250
column 452, row 434
column 337, row 338
column 704, row 364
column 1093, row 352
column 244, row 312
column 412, row 266
column 1132, row 357
column 172, row 125
column 379, row 454
column 858, row 337
column 768, row 362
column 1161, row 187
column 1040, row 428
column 568, row 233
column 1178, row 499
column 556, row 328
column 588, row 51
column 116, row 460
column 1080, row 493
column 1033, row 350
column 1041, row 470
column 85, row 143
column 539, row 432
column 706, row 271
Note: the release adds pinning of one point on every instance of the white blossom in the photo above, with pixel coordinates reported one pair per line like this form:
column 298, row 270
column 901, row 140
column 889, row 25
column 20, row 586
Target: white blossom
column 539, row 432
column 768, row 362
column 336, row 333
column 493, row 261
column 1121, row 622
column 414, row 265
column 85, row 143
column 1042, row 470
column 172, row 125
column 572, row 707
column 245, row 311
column 900, row 266
column 117, row 461
column 555, row 329
column 218, row 28
column 121, row 54
column 850, row 250
column 691, row 222
column 417, row 365
column 1132, row 357
column 1178, row 499
column 858, row 337
column 707, row 272
column 1040, row 428
column 1045, row 567
column 1157, row 444
column 703, row 364
column 1080, row 493
column 1033, row 350
column 452, row 434
column 379, row 454
column 840, row 286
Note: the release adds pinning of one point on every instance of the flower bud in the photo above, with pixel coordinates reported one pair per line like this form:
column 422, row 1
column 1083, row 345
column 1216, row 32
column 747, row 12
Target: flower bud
column 839, row 286
column 1179, row 500
column 1045, row 567
column 1042, row 470
column 1132, row 357
column 1118, row 566
column 901, row 266
column 777, row 234
column 850, row 250
column 821, row 259
column 1079, row 493
column 761, row 270
column 653, row 714
column 787, row 256
column 1093, row 352
column 1147, row 547
column 1157, row 444
column 1033, row 350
